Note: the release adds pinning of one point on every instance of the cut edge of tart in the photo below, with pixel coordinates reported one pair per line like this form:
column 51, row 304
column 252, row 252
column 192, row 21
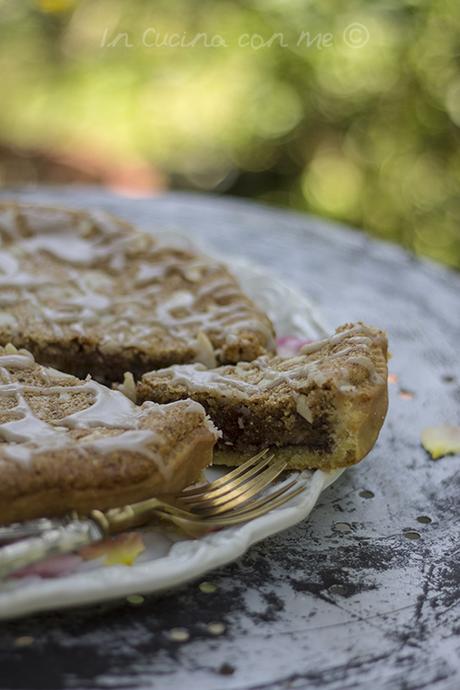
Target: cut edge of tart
column 322, row 408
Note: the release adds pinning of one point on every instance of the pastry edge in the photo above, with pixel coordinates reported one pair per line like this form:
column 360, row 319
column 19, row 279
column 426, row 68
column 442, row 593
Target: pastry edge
column 360, row 428
column 195, row 455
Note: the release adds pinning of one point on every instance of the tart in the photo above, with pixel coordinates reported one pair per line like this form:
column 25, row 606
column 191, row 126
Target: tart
column 87, row 293
column 68, row 444
column 322, row 408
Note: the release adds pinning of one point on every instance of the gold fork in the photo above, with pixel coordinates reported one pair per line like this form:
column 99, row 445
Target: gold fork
column 227, row 501
column 223, row 502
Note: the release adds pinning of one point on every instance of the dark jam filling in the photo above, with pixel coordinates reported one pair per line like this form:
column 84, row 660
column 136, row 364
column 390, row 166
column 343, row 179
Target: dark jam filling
column 258, row 433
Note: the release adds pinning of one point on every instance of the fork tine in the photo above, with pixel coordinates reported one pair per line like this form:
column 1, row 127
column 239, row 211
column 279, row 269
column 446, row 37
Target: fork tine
column 175, row 510
column 252, row 514
column 229, row 476
column 241, row 494
column 263, row 499
column 200, row 525
column 230, row 485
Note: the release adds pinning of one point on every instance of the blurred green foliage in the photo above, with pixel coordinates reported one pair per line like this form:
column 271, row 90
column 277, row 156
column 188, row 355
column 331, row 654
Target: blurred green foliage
column 350, row 110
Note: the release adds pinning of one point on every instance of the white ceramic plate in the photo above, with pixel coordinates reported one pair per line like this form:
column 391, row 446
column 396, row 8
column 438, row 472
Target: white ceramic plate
column 168, row 559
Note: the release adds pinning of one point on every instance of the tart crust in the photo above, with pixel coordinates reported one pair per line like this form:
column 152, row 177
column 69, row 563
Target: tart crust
column 322, row 408
column 67, row 444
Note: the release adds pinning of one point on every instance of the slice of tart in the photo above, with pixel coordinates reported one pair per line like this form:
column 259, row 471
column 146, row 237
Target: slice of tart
column 322, row 408
column 67, row 444
column 87, row 293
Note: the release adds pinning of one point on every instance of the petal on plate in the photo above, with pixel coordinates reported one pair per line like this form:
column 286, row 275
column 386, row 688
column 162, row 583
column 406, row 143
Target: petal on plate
column 57, row 566
column 290, row 345
column 441, row 440
column 120, row 550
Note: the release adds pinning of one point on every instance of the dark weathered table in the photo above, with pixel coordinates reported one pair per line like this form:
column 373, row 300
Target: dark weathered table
column 347, row 599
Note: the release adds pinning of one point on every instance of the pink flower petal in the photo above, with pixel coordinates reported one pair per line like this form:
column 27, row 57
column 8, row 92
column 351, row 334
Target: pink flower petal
column 57, row 566
column 290, row 345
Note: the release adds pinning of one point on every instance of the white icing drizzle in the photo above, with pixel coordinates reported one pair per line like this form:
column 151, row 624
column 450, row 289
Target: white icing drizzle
column 27, row 435
column 111, row 408
column 363, row 336
column 136, row 441
column 8, row 263
column 350, row 345
column 21, row 281
column 26, row 426
column 17, row 361
column 86, row 307
column 198, row 379
column 99, row 255
column 54, row 375
column 65, row 247
column 189, row 406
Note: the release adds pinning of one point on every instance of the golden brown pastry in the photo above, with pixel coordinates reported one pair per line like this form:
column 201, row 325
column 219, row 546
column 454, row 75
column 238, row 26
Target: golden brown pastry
column 70, row 444
column 321, row 408
column 87, row 293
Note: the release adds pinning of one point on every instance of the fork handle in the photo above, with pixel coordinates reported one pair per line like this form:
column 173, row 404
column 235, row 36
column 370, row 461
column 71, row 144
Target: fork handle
column 126, row 517
column 65, row 538
column 60, row 540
